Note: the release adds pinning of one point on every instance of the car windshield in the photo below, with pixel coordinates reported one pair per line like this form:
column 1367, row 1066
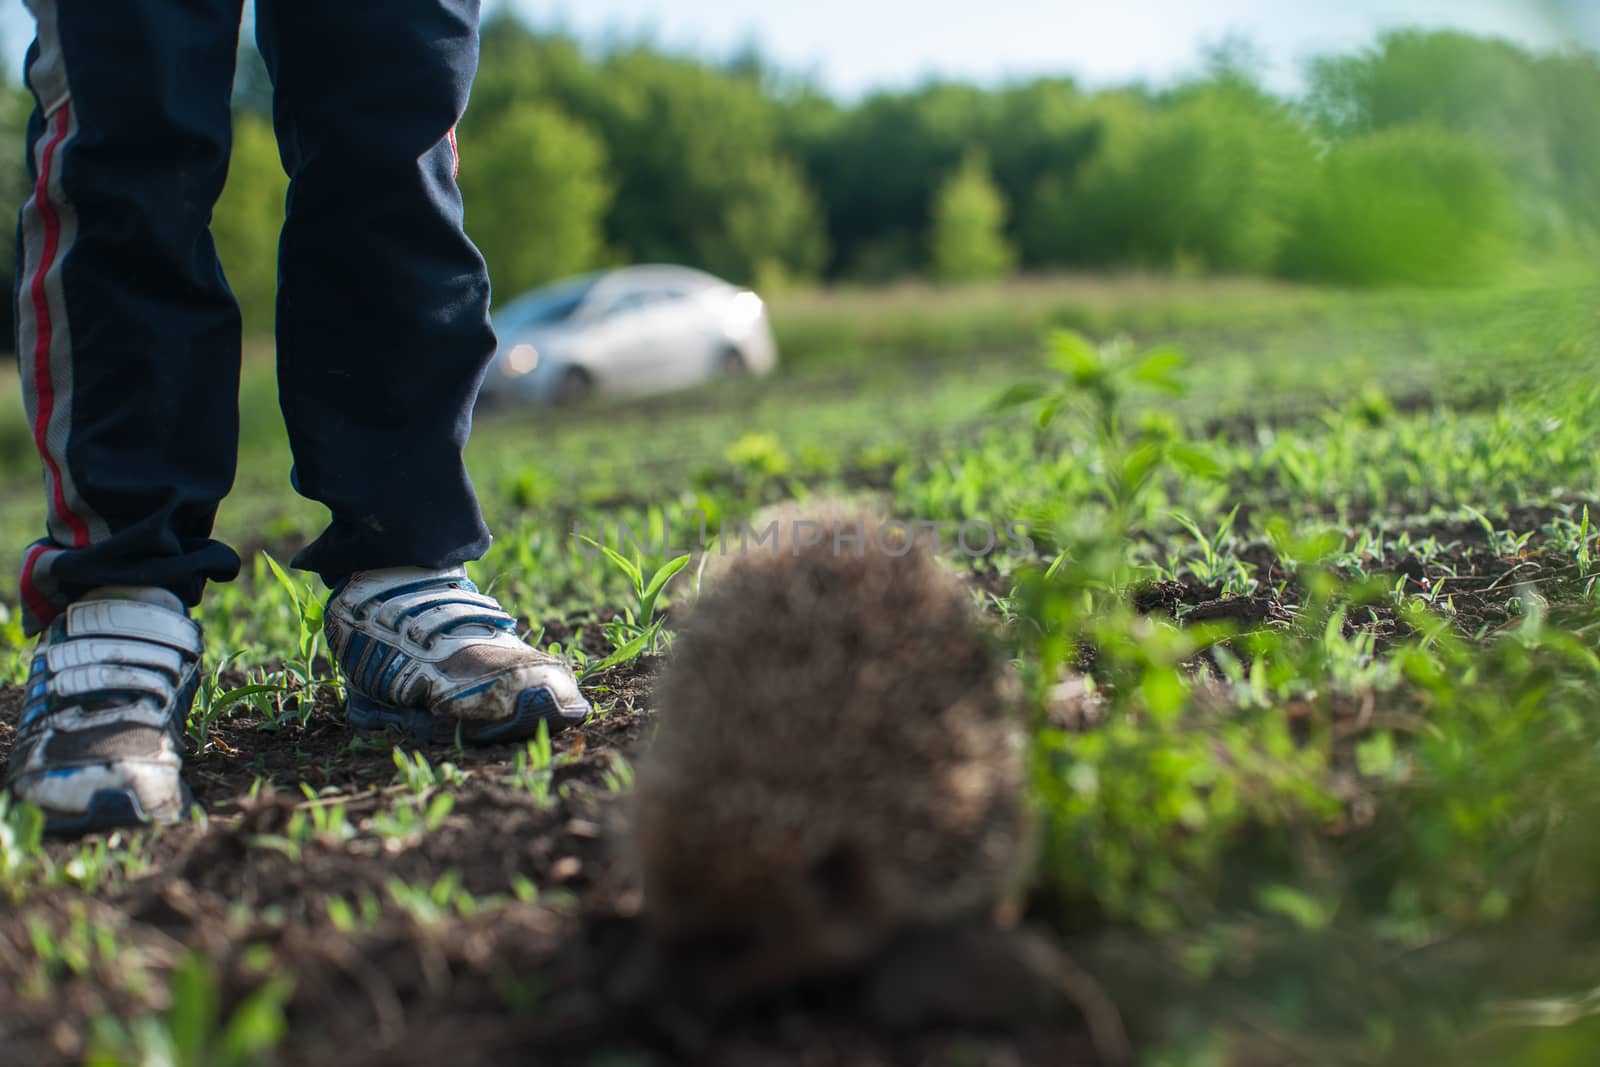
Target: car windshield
column 545, row 307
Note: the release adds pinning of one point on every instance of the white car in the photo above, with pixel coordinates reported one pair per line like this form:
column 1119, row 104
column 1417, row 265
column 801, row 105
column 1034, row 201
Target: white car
column 631, row 331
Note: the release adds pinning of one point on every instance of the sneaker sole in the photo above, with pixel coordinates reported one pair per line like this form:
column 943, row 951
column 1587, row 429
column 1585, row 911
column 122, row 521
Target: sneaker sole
column 534, row 706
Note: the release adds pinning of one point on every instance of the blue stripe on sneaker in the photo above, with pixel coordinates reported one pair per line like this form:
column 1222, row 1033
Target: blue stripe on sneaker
column 416, row 587
column 386, row 683
column 350, row 661
column 381, row 655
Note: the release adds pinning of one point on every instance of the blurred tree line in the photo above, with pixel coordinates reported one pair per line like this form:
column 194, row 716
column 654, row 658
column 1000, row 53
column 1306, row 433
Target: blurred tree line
column 1431, row 158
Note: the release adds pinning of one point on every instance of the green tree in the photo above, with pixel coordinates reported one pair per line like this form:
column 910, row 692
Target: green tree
column 700, row 175
column 1411, row 205
column 1534, row 115
column 1039, row 128
column 696, row 152
column 248, row 218
column 517, row 65
column 536, row 191
column 878, row 169
column 774, row 228
column 735, row 168
column 968, row 228
column 1210, row 181
column 1570, row 89
column 1056, row 230
column 1446, row 79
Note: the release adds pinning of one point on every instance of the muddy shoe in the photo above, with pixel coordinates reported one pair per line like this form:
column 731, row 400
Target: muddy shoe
column 99, row 744
column 427, row 655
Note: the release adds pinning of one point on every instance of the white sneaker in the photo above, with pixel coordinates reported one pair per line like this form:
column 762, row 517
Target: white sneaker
column 425, row 654
column 100, row 740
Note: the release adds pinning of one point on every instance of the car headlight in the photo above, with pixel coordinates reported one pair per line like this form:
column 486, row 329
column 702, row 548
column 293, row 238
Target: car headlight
column 745, row 309
column 520, row 360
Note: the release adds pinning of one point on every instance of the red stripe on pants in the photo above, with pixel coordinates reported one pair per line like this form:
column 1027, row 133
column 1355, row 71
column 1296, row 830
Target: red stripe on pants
column 43, row 386
column 42, row 609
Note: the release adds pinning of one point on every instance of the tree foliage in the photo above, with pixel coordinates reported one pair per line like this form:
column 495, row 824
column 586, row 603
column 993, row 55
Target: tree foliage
column 1410, row 205
column 1428, row 158
column 536, row 189
column 1534, row 114
column 693, row 151
column 969, row 221
column 1209, row 182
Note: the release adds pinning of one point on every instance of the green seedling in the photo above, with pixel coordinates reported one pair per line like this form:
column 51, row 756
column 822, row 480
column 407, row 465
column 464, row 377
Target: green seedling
column 413, row 817
column 213, row 700
column 311, row 644
column 21, row 838
column 431, row 904
column 193, row 1032
column 639, row 631
column 15, row 657
column 421, row 777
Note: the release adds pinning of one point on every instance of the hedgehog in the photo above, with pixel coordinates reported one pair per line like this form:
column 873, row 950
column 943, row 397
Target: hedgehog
column 837, row 758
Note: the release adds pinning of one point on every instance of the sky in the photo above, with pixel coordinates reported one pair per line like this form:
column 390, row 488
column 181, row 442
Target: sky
column 852, row 46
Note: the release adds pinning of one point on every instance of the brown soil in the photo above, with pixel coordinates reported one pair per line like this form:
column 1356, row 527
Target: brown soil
column 520, row 981
column 544, row 980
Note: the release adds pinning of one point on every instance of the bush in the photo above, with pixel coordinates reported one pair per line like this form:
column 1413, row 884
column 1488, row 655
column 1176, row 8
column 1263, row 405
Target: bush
column 968, row 228
column 536, row 192
column 1211, row 183
column 1534, row 114
column 1412, row 205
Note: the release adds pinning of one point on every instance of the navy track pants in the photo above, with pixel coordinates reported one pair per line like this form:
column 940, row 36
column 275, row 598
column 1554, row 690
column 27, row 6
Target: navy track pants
column 128, row 336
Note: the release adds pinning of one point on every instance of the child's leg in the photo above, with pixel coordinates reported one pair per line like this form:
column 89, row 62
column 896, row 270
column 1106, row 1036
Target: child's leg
column 383, row 331
column 383, row 337
column 128, row 337
column 128, row 341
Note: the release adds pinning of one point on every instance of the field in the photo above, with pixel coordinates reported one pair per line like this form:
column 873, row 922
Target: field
column 1305, row 615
